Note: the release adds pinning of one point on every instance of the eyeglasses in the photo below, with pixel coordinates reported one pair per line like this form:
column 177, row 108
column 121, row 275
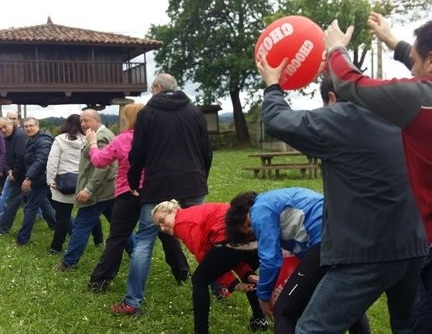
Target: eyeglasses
column 13, row 118
column 29, row 126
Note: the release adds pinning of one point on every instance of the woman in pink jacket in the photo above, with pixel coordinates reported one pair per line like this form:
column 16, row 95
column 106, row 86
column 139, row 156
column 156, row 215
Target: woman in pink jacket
column 126, row 208
column 202, row 229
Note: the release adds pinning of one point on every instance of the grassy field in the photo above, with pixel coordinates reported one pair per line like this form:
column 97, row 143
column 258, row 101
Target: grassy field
column 35, row 298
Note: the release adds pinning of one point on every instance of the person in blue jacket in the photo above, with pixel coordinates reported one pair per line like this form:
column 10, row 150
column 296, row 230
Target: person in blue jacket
column 283, row 219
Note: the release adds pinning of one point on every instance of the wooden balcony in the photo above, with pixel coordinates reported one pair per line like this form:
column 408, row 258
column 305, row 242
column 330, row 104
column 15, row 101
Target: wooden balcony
column 51, row 74
column 20, row 80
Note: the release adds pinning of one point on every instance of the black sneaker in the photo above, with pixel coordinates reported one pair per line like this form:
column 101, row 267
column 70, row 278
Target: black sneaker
column 183, row 277
column 53, row 251
column 258, row 324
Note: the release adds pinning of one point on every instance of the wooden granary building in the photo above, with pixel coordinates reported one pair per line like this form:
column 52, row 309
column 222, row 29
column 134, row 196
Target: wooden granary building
column 51, row 64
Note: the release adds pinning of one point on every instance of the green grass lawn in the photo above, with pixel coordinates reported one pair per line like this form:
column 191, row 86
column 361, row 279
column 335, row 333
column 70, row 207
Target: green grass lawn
column 35, row 298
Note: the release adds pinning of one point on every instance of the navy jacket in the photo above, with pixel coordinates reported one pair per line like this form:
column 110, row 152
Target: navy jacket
column 15, row 149
column 36, row 157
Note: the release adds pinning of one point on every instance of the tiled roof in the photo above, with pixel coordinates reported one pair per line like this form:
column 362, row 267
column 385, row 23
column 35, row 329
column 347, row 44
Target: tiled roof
column 56, row 34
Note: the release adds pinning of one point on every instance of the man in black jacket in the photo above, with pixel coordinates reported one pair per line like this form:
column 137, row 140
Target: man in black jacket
column 171, row 143
column 16, row 141
column 34, row 184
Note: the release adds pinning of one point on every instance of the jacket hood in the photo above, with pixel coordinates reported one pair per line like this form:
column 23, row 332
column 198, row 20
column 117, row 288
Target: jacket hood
column 169, row 100
column 65, row 142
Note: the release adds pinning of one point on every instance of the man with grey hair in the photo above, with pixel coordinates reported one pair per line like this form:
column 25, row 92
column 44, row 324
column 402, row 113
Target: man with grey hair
column 16, row 141
column 15, row 119
column 171, row 143
column 94, row 194
column 14, row 116
column 34, row 185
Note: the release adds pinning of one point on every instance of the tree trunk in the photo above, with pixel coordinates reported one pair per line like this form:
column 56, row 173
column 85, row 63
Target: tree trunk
column 240, row 125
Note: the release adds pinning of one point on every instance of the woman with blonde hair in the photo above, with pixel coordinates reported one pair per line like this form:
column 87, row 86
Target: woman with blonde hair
column 126, row 208
column 202, row 229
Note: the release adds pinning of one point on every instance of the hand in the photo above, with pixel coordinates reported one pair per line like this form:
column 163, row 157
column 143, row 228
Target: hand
column 270, row 74
column 253, row 279
column 10, row 176
column 245, row 287
column 381, row 29
column 266, row 308
column 91, row 136
column 82, row 197
column 134, row 192
column 334, row 37
column 26, row 186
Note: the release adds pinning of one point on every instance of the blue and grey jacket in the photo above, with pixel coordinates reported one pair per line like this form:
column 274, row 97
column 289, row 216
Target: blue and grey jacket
column 288, row 218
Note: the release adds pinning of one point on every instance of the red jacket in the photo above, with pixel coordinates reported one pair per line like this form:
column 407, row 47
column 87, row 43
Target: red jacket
column 200, row 227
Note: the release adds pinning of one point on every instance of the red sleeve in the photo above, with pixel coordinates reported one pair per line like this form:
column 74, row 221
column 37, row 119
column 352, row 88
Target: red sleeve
column 397, row 100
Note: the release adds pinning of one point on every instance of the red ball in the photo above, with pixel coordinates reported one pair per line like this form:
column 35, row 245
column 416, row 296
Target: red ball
column 300, row 40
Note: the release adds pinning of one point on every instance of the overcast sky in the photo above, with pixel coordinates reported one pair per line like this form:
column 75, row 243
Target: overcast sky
column 132, row 18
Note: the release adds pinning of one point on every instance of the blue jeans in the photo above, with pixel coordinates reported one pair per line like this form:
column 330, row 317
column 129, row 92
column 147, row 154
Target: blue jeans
column 4, row 195
column 84, row 222
column 12, row 204
column 143, row 251
column 36, row 198
column 351, row 289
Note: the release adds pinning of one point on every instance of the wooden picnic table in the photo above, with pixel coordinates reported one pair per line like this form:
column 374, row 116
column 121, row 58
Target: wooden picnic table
column 268, row 164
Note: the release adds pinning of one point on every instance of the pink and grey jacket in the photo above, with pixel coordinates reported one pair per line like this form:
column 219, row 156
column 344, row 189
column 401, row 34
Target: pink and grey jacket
column 117, row 150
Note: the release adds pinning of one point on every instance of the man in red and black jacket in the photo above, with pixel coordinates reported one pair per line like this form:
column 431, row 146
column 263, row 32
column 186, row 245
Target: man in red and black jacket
column 404, row 102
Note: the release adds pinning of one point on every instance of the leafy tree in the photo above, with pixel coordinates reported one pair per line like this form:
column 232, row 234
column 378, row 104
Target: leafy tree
column 211, row 43
column 347, row 12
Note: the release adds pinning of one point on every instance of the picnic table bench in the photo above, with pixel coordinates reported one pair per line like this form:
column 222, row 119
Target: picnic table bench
column 268, row 165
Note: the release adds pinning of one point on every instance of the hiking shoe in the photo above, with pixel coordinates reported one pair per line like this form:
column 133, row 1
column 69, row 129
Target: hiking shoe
column 98, row 286
column 61, row 266
column 123, row 308
column 258, row 324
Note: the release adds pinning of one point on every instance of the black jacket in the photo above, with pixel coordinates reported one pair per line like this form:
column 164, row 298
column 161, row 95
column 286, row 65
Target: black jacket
column 36, row 156
column 171, row 143
column 15, row 149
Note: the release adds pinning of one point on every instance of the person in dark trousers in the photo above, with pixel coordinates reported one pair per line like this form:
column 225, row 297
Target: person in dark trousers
column 64, row 157
column 287, row 219
column 126, row 208
column 171, row 142
column 94, row 194
column 15, row 141
column 406, row 103
column 34, row 185
column 202, row 229
column 371, row 223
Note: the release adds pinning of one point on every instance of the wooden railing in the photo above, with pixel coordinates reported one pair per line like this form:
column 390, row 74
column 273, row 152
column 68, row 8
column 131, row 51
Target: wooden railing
column 27, row 72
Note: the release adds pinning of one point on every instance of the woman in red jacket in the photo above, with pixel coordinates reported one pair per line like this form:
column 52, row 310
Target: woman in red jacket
column 202, row 229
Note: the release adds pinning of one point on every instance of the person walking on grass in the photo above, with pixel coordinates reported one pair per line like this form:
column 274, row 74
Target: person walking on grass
column 94, row 194
column 34, row 185
column 126, row 209
column 15, row 141
column 171, row 143
column 63, row 158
